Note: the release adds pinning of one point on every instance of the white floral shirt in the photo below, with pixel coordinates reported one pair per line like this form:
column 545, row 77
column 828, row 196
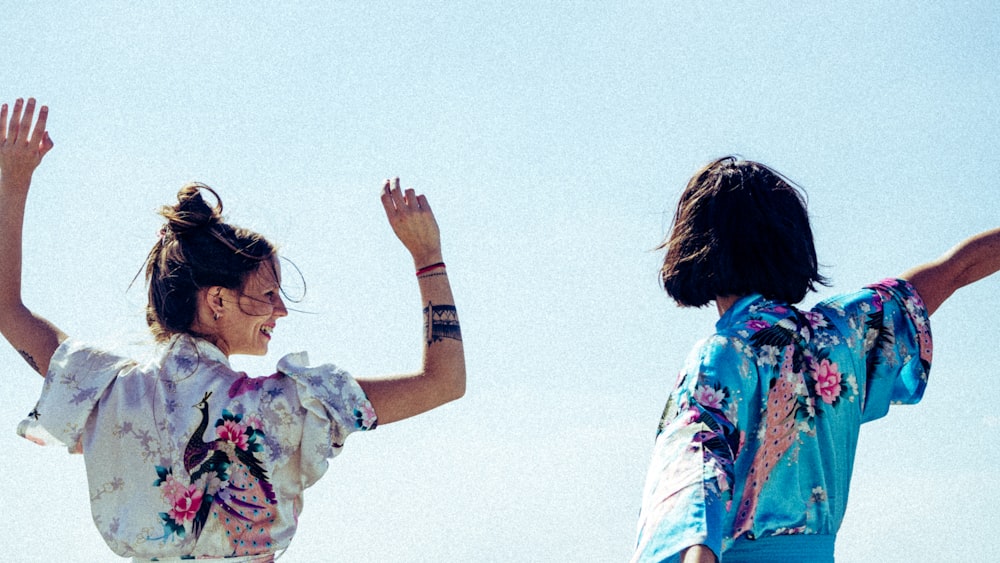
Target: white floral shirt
column 186, row 457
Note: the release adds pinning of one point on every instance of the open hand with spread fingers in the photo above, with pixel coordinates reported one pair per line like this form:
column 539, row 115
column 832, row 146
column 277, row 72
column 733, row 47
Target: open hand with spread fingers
column 21, row 147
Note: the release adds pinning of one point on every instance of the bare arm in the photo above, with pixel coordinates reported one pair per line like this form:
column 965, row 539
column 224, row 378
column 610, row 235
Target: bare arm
column 442, row 377
column 21, row 150
column 971, row 260
column 698, row 554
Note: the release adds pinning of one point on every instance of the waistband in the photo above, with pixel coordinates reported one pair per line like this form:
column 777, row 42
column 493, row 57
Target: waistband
column 265, row 558
column 799, row 548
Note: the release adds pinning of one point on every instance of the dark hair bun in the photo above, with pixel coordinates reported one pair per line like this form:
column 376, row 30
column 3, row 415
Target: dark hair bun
column 192, row 212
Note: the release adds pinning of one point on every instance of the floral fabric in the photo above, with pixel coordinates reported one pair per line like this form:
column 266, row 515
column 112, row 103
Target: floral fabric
column 758, row 436
column 186, row 457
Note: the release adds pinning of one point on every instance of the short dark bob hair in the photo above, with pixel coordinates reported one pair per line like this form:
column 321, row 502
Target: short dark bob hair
column 740, row 228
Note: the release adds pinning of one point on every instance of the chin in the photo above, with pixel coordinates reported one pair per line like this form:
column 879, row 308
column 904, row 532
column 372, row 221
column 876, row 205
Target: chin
column 260, row 351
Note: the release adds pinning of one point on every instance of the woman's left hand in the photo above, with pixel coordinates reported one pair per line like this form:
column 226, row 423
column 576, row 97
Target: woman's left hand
column 21, row 148
column 413, row 222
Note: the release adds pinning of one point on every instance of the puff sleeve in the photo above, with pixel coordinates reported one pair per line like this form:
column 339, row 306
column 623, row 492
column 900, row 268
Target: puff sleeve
column 77, row 378
column 335, row 406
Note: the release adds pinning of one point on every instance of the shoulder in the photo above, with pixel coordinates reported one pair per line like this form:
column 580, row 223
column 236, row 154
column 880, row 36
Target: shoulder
column 871, row 304
column 77, row 358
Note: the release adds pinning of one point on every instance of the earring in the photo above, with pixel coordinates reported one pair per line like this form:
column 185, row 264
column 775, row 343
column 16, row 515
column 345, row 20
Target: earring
column 215, row 316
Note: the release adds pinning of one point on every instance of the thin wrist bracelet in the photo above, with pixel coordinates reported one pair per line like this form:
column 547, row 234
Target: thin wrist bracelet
column 426, row 269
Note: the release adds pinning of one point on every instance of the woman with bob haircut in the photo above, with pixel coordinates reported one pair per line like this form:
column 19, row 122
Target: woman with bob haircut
column 754, row 452
column 187, row 458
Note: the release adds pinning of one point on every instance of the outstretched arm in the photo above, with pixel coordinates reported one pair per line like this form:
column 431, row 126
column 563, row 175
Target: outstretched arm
column 21, row 150
column 442, row 378
column 971, row 260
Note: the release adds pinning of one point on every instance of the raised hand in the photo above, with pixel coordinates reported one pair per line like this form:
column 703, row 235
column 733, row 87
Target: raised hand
column 413, row 222
column 21, row 150
column 442, row 376
column 21, row 147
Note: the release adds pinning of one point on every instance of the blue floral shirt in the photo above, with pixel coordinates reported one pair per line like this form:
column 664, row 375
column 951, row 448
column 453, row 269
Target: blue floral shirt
column 188, row 458
column 759, row 434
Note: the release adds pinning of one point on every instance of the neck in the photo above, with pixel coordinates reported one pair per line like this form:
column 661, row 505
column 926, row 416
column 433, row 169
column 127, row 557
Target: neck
column 724, row 302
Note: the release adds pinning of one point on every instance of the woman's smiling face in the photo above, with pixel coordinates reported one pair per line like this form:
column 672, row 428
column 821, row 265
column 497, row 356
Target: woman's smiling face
column 249, row 314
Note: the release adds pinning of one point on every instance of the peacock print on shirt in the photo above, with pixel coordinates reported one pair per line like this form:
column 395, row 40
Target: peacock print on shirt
column 760, row 429
column 228, row 487
column 187, row 457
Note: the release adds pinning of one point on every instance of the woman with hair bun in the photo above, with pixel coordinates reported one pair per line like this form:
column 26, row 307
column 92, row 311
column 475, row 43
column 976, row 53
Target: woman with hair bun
column 754, row 452
column 187, row 458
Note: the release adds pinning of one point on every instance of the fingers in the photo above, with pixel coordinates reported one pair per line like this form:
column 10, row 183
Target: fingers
column 422, row 202
column 395, row 199
column 46, row 144
column 25, row 127
column 390, row 208
column 15, row 125
column 15, row 121
column 39, row 134
column 399, row 204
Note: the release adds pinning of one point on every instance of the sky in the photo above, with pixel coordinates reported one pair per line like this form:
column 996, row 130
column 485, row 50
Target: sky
column 552, row 141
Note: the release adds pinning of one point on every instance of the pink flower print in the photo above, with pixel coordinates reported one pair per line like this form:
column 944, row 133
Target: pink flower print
column 253, row 421
column 244, row 384
column 172, row 489
column 757, row 325
column 709, row 397
column 186, row 506
column 233, row 432
column 827, row 379
column 366, row 415
column 816, row 320
column 689, row 416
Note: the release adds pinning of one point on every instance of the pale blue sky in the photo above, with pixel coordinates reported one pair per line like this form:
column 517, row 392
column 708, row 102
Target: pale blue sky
column 552, row 141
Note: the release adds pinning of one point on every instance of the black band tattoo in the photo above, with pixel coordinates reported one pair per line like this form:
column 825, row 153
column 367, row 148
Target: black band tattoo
column 432, row 275
column 31, row 361
column 441, row 321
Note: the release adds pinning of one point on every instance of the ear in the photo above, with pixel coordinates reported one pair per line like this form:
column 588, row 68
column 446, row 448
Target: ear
column 214, row 300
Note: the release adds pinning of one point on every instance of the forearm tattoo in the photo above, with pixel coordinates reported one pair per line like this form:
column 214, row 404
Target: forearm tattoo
column 31, row 361
column 441, row 321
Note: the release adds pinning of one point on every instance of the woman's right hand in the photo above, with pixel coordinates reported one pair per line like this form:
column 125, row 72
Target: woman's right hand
column 21, row 148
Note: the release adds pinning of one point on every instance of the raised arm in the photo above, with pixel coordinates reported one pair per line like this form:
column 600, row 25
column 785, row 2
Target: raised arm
column 21, row 150
column 971, row 260
column 442, row 378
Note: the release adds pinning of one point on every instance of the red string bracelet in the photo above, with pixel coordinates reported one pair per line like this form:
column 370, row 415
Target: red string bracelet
column 426, row 269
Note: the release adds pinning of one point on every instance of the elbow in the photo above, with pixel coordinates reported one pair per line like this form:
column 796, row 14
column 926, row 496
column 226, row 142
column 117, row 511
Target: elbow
column 10, row 316
column 457, row 388
column 448, row 378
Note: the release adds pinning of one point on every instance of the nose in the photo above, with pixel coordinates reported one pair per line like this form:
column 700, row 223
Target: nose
column 279, row 307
